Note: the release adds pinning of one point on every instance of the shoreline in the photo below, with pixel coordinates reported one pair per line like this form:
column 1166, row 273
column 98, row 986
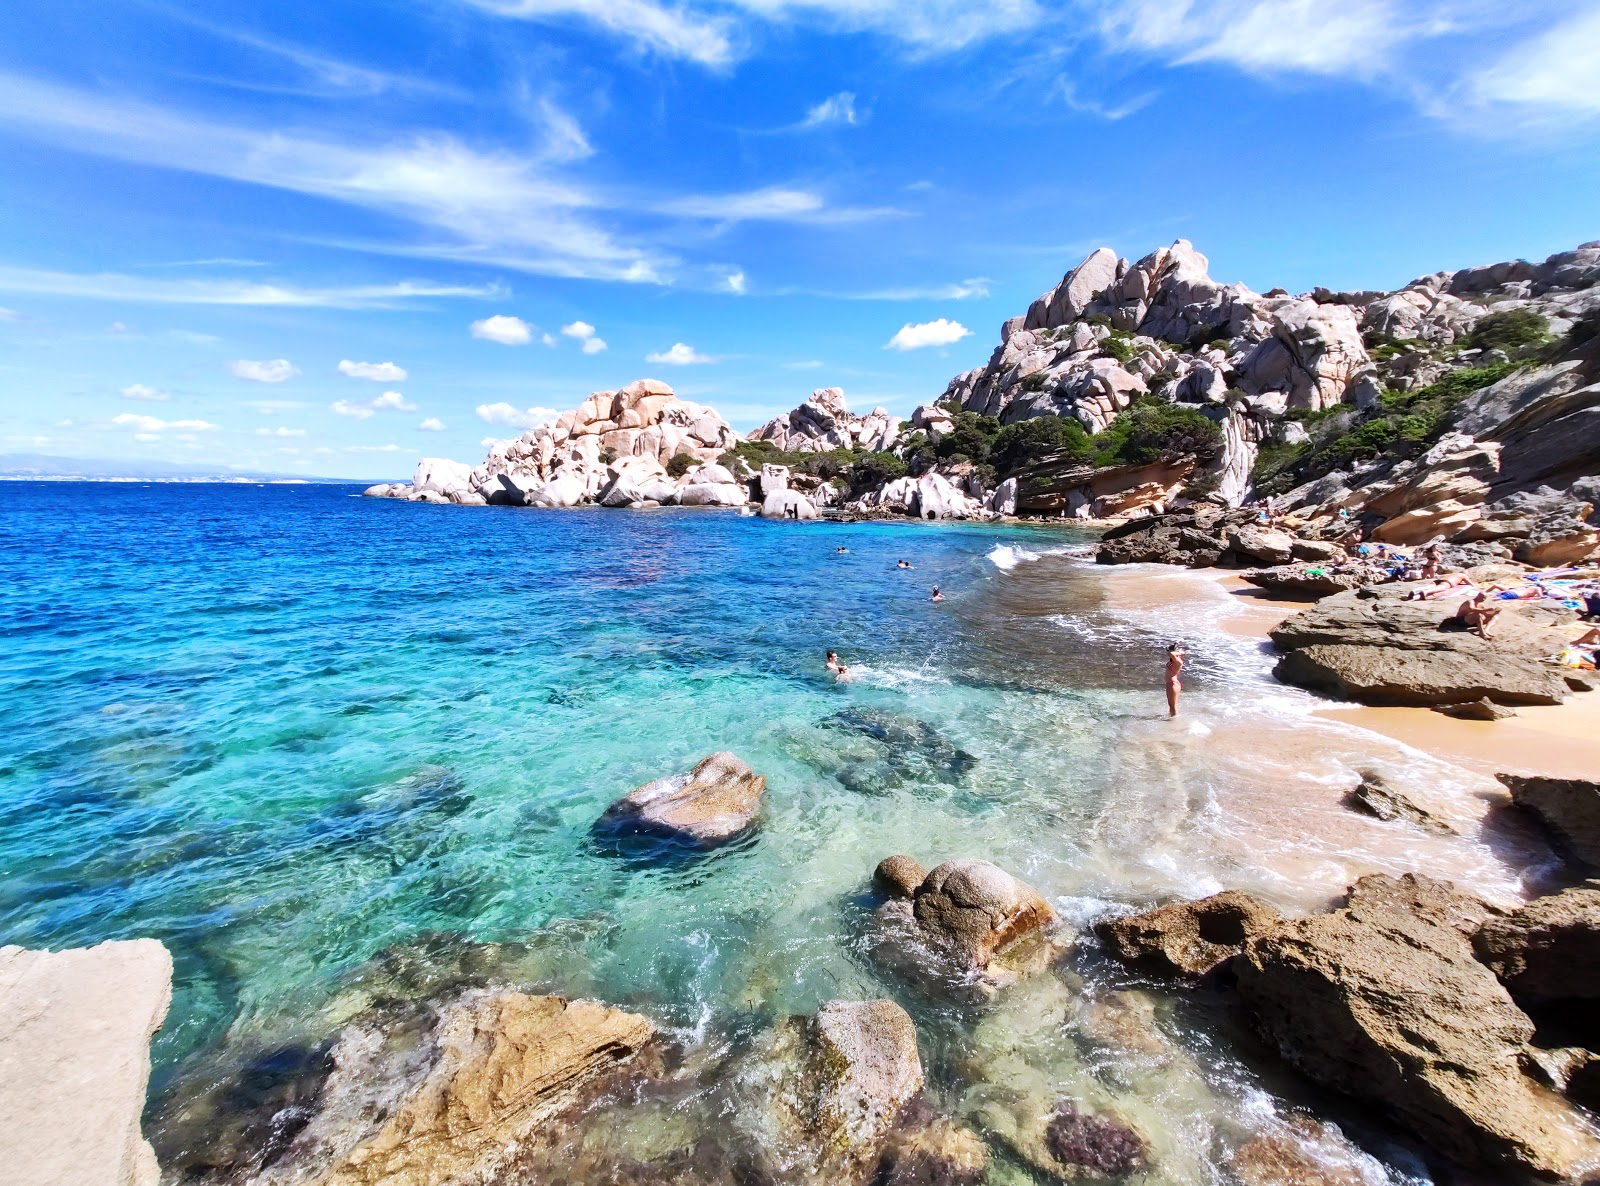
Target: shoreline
column 1554, row 741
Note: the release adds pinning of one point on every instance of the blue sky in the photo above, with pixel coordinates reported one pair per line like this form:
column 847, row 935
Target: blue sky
column 206, row 209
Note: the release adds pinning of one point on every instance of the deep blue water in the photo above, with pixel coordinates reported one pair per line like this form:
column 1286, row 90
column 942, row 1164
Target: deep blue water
column 284, row 728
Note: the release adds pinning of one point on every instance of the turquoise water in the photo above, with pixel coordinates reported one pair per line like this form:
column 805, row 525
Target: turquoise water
column 283, row 729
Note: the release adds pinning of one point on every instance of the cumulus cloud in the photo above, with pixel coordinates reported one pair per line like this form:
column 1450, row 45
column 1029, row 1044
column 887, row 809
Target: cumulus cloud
column 277, row 370
column 431, row 424
column 378, row 372
column 549, row 340
column 930, row 333
column 140, row 391
column 510, row 416
column 150, row 425
column 507, row 330
column 389, row 401
column 584, row 332
column 736, row 283
column 836, row 109
column 681, row 355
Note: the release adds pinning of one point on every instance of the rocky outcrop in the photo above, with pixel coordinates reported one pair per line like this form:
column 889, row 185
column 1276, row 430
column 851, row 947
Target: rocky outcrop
column 1383, row 1000
column 614, row 449
column 931, row 496
column 969, row 927
column 1568, row 807
column 1381, row 649
column 824, row 423
column 1198, row 538
column 1187, row 939
column 825, row 1095
column 715, row 803
column 75, row 1029
column 787, row 504
column 483, row 1080
column 1075, row 490
column 1547, row 952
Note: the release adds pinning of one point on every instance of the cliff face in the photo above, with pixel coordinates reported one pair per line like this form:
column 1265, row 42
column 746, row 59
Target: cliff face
column 1263, row 366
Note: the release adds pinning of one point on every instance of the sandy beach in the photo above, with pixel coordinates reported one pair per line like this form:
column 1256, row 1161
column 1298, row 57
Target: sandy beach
column 1560, row 741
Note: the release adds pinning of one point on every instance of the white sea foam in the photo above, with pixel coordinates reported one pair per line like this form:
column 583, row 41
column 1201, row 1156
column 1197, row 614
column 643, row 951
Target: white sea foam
column 1006, row 557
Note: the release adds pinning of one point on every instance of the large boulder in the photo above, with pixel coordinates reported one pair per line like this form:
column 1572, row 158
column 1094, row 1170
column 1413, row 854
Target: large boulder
column 1384, row 650
column 1187, row 939
column 1547, row 952
column 75, row 1030
column 969, row 927
column 835, row 1100
column 442, row 476
column 716, row 802
column 1383, row 1000
column 712, row 494
column 486, row 1079
column 787, row 504
column 1568, row 807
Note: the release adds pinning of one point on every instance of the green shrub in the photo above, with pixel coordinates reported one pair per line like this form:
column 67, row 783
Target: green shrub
column 1029, row 441
column 1119, row 346
column 970, row 436
column 681, row 464
column 1509, row 330
column 875, row 469
column 1037, row 381
column 1150, row 429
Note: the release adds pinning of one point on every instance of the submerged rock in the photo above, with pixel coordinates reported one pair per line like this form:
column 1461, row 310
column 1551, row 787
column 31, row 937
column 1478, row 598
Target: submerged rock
column 481, row 1081
column 1305, row 1154
column 907, row 750
column 1378, row 795
column 1069, row 1144
column 1568, row 807
column 718, row 801
column 1385, row 1002
column 898, row 877
column 827, row 1100
column 968, row 927
column 1187, row 939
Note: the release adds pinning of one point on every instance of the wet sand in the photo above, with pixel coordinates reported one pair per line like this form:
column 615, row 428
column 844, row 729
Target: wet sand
column 1560, row 741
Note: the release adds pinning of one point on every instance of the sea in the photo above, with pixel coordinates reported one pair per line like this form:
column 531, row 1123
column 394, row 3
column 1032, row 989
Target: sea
column 305, row 739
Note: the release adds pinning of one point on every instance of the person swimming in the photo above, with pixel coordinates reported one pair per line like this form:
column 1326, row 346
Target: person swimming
column 841, row 549
column 1175, row 657
column 902, row 564
column 937, row 596
column 838, row 669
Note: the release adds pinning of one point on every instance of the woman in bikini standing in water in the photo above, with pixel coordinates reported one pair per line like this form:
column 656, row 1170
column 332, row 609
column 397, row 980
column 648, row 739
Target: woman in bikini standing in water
column 1175, row 654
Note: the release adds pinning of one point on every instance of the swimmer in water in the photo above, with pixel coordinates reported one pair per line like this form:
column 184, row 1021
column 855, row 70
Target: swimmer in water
column 1175, row 657
column 937, row 596
column 839, row 669
column 841, row 549
column 903, row 564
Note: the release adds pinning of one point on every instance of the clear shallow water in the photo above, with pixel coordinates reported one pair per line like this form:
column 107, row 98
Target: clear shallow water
column 283, row 729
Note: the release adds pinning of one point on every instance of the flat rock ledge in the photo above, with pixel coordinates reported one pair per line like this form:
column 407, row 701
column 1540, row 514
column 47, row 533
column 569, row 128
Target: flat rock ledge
column 1188, row 940
column 1384, row 650
column 1568, row 807
column 968, row 928
column 75, row 1030
column 715, row 803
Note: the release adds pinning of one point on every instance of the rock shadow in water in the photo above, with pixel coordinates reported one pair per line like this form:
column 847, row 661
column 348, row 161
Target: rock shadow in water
column 899, row 749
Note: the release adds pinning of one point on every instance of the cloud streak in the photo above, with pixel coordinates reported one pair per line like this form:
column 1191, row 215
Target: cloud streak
column 112, row 286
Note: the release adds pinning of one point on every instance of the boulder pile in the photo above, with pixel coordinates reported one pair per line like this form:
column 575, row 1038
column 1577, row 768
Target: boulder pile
column 614, row 449
column 1409, row 997
column 824, row 423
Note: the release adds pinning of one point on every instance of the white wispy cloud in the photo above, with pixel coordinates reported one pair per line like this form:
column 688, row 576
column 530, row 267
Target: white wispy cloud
column 836, row 109
column 276, row 370
column 378, row 372
column 670, row 31
column 391, row 448
column 389, row 401
column 141, row 391
column 151, row 425
column 941, row 332
column 1556, row 73
column 110, row 286
column 431, row 424
column 510, row 208
column 680, row 355
column 736, row 283
column 585, row 333
column 511, row 416
column 9, row 315
column 808, row 364
column 507, row 330
column 280, row 432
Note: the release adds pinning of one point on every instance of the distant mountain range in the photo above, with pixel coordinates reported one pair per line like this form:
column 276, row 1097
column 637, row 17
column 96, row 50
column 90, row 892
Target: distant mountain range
column 38, row 467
